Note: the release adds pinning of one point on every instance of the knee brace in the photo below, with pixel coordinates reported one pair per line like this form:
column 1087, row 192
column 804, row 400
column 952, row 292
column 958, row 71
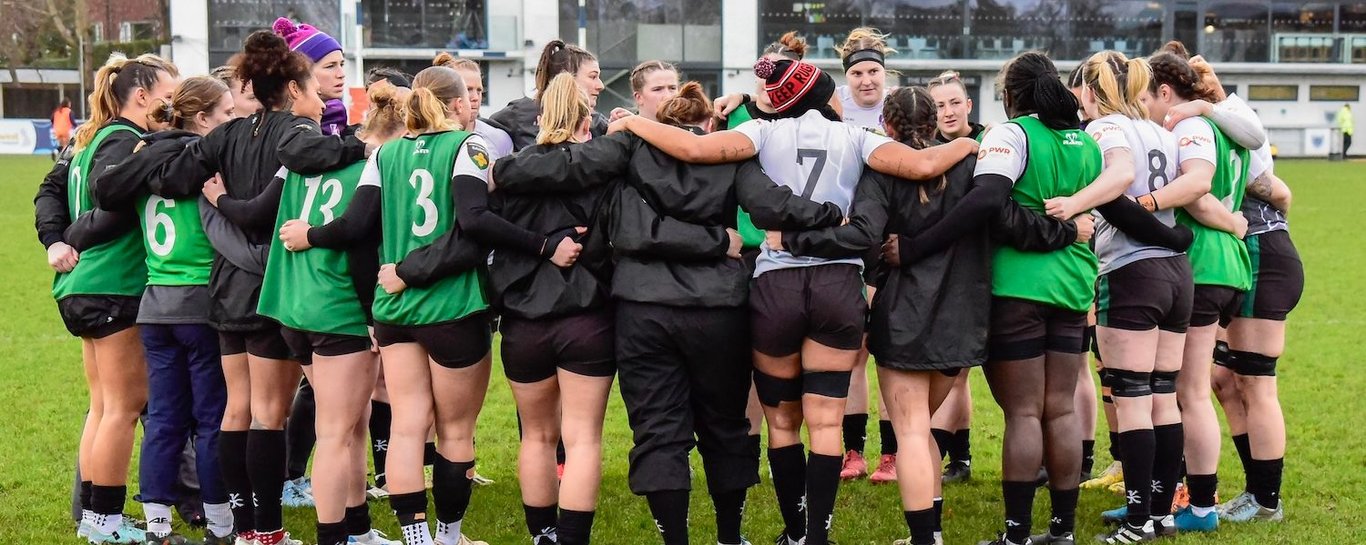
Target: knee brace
column 1106, row 380
column 1106, row 383
column 1164, row 382
column 1130, row 383
column 826, row 383
column 1221, row 354
column 1252, row 364
column 773, row 390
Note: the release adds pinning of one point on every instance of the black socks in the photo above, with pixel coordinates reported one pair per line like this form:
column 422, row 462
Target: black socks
column 1019, row 500
column 232, row 462
column 107, row 500
column 1138, row 453
column 574, row 527
column 332, row 533
column 730, row 508
column 1202, row 488
column 1166, row 466
column 381, row 420
column 1088, row 457
column 451, row 489
column 670, row 510
column 888, row 436
column 921, row 525
column 1064, row 519
column 855, row 430
column 788, row 466
column 540, row 520
column 961, row 451
column 943, row 438
column 266, row 467
column 1264, row 481
column 822, row 484
column 357, row 520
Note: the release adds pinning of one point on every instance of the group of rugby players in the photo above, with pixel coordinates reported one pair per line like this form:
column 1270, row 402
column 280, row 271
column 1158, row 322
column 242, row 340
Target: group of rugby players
column 733, row 265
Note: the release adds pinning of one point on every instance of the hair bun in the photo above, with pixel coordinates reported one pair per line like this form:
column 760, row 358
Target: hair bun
column 764, row 68
column 284, row 27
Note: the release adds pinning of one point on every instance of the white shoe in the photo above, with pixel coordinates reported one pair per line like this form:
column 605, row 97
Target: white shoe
column 480, row 480
column 374, row 537
column 376, row 493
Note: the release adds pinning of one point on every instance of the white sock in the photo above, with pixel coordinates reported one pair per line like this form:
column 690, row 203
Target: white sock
column 417, row 534
column 106, row 524
column 448, row 533
column 219, row 516
column 1201, row 511
column 158, row 518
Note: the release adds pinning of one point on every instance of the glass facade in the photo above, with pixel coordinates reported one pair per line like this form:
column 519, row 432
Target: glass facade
column 231, row 21
column 1222, row 30
column 623, row 33
column 442, row 24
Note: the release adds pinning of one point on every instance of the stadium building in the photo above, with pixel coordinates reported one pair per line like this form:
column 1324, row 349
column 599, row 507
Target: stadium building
column 1296, row 62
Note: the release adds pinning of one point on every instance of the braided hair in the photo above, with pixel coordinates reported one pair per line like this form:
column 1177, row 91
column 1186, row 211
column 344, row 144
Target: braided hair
column 1176, row 73
column 910, row 115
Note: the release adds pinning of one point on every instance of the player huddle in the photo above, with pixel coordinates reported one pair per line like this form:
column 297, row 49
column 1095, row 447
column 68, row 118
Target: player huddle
column 217, row 236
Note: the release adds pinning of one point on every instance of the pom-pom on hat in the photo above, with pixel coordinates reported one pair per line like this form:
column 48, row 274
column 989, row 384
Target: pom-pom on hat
column 794, row 85
column 313, row 43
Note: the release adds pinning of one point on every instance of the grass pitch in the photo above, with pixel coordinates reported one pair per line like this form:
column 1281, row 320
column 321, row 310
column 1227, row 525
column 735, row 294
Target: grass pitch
column 1325, row 481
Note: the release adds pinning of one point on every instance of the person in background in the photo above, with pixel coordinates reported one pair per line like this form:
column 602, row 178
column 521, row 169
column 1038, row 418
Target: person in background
column 62, row 122
column 519, row 117
column 328, row 64
column 244, row 101
column 1344, row 122
column 499, row 141
column 951, row 424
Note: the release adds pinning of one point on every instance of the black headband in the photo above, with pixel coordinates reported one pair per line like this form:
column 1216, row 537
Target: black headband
column 864, row 55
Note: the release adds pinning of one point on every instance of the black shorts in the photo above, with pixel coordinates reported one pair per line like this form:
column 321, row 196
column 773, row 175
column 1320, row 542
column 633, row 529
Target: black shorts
column 1214, row 305
column 583, row 344
column 304, row 344
column 1146, row 294
column 98, row 316
column 263, row 343
column 1022, row 329
column 824, row 303
column 453, row 345
column 1277, row 277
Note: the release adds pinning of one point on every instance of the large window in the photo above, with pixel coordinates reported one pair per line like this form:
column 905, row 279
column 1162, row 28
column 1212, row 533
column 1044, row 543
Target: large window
column 1236, row 31
column 623, row 33
column 973, row 29
column 444, row 24
column 230, row 21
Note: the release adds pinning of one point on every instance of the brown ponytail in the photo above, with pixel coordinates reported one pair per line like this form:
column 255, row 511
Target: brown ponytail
column 689, row 106
column 453, row 62
column 790, row 45
column 269, row 65
column 114, row 84
column 558, row 57
column 194, row 95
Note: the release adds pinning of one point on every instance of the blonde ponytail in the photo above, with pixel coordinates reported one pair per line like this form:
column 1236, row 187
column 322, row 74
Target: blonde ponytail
column 563, row 109
column 1117, row 82
column 114, row 83
column 433, row 89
